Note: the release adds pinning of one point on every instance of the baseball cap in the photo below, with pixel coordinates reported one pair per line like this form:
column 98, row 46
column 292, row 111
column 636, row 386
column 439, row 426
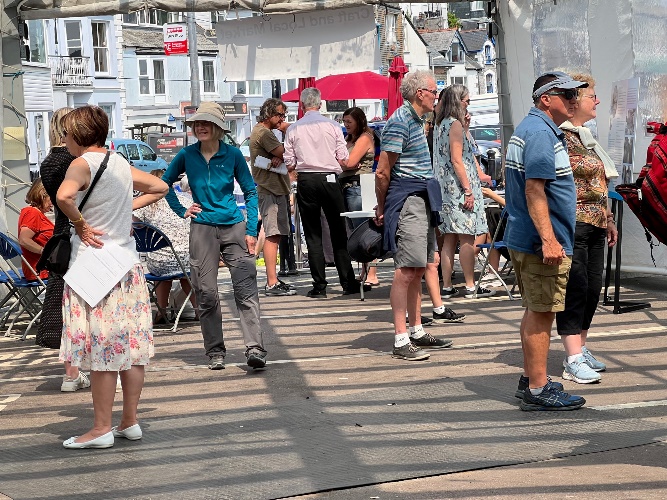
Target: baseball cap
column 562, row 81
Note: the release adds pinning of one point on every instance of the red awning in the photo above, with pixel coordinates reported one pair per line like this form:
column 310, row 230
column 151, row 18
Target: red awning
column 364, row 85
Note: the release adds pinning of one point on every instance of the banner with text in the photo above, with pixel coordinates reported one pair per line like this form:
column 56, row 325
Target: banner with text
column 315, row 44
column 175, row 39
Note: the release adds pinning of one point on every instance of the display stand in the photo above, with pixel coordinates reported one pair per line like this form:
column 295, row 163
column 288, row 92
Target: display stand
column 620, row 306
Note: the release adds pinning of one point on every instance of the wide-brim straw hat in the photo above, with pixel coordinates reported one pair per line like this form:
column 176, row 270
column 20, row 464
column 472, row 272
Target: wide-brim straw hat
column 209, row 112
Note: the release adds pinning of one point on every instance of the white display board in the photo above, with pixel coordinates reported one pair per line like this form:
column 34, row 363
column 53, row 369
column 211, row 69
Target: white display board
column 318, row 44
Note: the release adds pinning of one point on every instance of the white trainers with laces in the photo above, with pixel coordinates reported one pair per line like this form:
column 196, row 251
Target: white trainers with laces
column 74, row 384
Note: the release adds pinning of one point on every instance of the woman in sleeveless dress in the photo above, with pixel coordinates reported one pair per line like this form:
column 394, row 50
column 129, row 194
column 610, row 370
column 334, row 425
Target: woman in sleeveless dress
column 115, row 335
column 456, row 169
column 360, row 142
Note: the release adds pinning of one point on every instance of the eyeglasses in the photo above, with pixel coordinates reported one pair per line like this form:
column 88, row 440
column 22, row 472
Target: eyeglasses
column 281, row 115
column 592, row 96
column 567, row 94
column 433, row 92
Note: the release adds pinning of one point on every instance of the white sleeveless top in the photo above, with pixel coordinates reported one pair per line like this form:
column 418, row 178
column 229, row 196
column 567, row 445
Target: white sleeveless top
column 109, row 207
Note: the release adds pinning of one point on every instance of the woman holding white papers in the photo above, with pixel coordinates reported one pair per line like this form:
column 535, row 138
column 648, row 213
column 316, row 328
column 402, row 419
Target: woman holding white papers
column 115, row 334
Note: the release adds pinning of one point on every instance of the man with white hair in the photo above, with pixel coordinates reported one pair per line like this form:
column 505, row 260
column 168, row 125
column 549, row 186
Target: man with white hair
column 315, row 147
column 409, row 198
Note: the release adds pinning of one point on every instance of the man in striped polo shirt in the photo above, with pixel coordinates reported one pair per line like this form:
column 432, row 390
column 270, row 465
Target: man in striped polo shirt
column 409, row 198
column 541, row 203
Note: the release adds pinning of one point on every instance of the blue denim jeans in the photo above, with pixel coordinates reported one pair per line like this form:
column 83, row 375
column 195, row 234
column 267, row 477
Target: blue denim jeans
column 352, row 197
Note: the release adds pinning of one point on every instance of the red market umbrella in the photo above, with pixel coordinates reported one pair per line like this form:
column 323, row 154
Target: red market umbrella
column 363, row 85
column 396, row 72
column 304, row 83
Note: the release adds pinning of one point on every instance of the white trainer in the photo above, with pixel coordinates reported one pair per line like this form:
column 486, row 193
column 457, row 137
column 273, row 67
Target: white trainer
column 74, row 384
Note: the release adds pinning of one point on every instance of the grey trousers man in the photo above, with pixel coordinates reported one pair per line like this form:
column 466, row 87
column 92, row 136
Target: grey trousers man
column 207, row 243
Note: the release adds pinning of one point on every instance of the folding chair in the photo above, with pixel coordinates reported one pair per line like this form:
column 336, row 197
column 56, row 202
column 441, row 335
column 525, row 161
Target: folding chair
column 26, row 292
column 148, row 239
column 486, row 251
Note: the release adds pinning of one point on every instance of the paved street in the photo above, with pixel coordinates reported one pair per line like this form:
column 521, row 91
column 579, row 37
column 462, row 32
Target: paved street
column 335, row 417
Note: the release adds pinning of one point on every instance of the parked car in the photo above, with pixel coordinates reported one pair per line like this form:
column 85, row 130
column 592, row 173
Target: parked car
column 486, row 133
column 138, row 153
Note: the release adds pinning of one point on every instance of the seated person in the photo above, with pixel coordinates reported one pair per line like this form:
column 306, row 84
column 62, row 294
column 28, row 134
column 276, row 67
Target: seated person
column 162, row 262
column 35, row 229
column 493, row 219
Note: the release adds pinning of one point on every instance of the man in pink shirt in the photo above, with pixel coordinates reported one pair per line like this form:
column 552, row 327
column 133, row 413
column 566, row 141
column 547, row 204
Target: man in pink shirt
column 315, row 147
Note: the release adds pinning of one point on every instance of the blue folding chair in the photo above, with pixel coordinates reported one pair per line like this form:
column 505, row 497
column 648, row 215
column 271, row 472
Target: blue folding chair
column 149, row 238
column 26, row 292
column 486, row 251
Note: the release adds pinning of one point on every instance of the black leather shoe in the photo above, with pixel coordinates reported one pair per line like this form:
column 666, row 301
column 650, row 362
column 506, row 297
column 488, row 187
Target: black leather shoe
column 354, row 289
column 316, row 293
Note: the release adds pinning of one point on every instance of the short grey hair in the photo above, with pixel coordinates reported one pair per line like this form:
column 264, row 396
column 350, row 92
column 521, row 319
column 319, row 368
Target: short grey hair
column 414, row 81
column 311, row 98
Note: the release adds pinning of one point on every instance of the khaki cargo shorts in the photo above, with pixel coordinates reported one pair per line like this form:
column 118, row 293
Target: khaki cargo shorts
column 275, row 213
column 542, row 287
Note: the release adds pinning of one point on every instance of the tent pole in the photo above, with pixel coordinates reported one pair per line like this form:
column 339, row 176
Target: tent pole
column 195, row 95
column 504, row 99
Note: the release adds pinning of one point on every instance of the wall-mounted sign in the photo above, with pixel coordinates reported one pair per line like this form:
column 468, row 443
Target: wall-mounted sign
column 175, row 39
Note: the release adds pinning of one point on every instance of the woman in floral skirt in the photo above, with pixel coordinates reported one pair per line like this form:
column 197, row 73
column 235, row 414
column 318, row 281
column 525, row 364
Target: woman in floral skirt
column 116, row 335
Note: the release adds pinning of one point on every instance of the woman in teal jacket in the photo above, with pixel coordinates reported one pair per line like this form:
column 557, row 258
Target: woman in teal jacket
column 219, row 227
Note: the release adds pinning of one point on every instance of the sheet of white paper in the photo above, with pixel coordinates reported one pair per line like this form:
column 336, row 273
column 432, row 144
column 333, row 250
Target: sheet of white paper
column 97, row 270
column 262, row 162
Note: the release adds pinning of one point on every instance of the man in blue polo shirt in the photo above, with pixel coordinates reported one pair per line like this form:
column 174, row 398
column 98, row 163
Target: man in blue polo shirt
column 541, row 203
column 408, row 202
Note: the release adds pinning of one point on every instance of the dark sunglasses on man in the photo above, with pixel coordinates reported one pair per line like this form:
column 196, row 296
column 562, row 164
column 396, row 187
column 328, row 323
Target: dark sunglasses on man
column 568, row 94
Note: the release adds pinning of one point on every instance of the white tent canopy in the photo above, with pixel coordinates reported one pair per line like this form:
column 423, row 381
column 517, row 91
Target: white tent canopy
column 45, row 9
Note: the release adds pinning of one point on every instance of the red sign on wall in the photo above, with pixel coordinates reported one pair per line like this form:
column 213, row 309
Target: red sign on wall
column 175, row 39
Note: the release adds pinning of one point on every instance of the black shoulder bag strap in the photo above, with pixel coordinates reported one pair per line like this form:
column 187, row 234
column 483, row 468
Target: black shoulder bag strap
column 100, row 170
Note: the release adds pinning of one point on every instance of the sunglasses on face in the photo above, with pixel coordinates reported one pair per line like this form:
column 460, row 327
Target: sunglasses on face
column 467, row 101
column 281, row 115
column 567, row 94
column 432, row 92
column 64, row 133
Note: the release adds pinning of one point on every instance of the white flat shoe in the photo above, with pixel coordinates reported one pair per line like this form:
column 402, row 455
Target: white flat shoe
column 132, row 432
column 104, row 441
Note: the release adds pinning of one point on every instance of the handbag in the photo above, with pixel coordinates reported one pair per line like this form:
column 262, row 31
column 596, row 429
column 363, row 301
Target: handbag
column 56, row 254
column 365, row 243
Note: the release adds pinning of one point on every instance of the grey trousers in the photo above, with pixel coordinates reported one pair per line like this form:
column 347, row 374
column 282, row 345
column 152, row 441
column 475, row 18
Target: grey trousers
column 206, row 245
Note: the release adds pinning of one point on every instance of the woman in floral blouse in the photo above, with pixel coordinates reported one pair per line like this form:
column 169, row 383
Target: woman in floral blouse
column 592, row 169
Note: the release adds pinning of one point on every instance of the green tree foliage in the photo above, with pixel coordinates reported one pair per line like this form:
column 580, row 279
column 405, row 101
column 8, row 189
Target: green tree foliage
column 452, row 20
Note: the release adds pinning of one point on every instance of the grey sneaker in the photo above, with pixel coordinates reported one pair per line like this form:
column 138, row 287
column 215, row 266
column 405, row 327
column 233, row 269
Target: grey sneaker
column 410, row 352
column 425, row 321
column 448, row 316
column 481, row 292
column 216, row 362
column 280, row 289
column 579, row 371
column 428, row 341
column 591, row 361
column 256, row 359
column 74, row 384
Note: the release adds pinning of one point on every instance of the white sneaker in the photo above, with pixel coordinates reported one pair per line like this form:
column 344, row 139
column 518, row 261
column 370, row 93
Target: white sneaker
column 74, row 384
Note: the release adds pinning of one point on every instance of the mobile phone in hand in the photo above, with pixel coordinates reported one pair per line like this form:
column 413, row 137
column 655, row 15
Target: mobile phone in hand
column 538, row 251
